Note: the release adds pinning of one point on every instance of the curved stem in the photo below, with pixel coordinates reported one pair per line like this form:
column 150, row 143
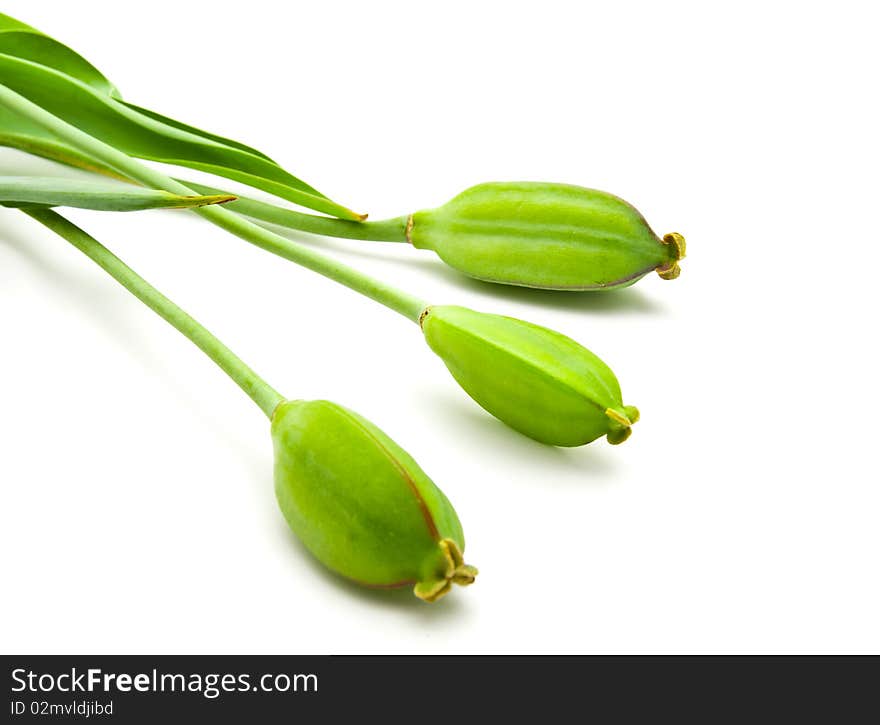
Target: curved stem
column 407, row 305
column 386, row 230
column 266, row 397
column 401, row 302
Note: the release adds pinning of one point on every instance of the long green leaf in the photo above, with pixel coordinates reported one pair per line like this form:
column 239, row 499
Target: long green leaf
column 23, row 41
column 198, row 132
column 58, row 79
column 22, row 191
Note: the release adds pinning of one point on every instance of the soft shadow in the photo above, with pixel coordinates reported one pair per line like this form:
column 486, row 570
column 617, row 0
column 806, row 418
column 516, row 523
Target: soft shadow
column 101, row 304
column 590, row 464
column 402, row 600
column 616, row 302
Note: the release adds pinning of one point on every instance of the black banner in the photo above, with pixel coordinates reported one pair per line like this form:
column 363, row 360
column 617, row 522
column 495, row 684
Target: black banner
column 265, row 689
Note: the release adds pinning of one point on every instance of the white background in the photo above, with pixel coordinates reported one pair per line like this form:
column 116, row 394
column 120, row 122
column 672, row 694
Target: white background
column 137, row 505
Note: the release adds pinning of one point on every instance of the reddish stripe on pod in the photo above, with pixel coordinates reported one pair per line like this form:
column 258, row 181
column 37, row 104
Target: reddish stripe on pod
column 423, row 507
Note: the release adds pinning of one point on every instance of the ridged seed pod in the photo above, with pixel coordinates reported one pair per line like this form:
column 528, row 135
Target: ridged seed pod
column 550, row 236
column 361, row 504
column 538, row 381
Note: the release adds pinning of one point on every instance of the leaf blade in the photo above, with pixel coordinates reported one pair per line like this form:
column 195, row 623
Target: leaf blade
column 19, row 191
column 18, row 38
column 39, row 67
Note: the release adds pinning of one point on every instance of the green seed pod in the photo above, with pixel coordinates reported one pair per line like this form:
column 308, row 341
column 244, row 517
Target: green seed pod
column 361, row 504
column 550, row 236
column 539, row 382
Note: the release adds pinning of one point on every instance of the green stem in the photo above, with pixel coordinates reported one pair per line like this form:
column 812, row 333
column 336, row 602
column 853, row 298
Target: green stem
column 401, row 302
column 387, row 230
column 266, row 397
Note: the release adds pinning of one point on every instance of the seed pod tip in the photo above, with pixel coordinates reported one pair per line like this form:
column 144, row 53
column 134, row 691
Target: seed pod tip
column 672, row 269
column 455, row 572
column 622, row 422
